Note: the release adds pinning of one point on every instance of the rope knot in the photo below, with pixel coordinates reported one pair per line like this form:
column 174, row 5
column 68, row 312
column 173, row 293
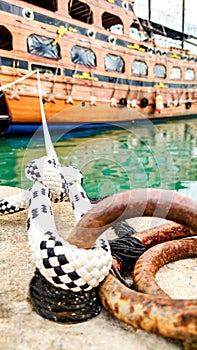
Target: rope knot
column 57, row 179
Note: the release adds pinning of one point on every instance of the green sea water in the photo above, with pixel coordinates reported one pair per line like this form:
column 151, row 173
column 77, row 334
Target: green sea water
column 113, row 159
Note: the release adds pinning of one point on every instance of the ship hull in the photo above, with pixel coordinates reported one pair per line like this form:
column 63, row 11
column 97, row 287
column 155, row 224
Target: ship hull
column 86, row 116
column 81, row 114
column 27, row 110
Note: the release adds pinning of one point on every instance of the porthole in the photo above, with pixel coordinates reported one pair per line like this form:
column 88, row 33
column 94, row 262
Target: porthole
column 112, row 40
column 125, row 5
column 91, row 33
column 28, row 14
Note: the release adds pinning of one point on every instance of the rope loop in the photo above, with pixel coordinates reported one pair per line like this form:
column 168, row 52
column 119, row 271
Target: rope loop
column 44, row 170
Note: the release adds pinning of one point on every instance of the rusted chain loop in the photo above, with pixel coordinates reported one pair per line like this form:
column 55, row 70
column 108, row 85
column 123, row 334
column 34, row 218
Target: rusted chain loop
column 167, row 317
column 172, row 318
column 134, row 203
column 154, row 258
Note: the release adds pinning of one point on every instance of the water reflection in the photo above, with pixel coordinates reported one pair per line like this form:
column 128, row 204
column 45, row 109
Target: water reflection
column 144, row 156
column 113, row 160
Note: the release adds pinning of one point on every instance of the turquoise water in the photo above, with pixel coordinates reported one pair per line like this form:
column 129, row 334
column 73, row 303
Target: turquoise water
column 113, row 159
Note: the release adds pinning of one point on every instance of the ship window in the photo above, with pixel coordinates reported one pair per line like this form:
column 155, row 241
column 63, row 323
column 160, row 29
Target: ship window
column 175, row 73
column 114, row 63
column 189, row 74
column 80, row 11
column 159, row 71
column 84, row 56
column 45, row 4
column 46, row 69
column 42, row 46
column 5, row 39
column 112, row 23
column 139, row 68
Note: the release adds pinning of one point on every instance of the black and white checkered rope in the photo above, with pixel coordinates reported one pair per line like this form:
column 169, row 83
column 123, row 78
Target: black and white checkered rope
column 14, row 203
column 62, row 264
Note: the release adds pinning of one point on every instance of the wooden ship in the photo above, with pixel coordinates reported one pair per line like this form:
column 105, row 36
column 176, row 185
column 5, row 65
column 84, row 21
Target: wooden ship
column 92, row 69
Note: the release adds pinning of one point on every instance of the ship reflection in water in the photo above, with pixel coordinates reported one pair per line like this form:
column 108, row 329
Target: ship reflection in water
column 114, row 159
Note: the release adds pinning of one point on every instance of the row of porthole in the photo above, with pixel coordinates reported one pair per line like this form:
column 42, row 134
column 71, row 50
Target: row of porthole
column 29, row 14
column 91, row 33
